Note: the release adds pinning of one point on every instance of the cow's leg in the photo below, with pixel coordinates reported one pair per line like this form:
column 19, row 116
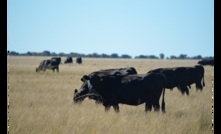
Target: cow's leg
column 163, row 101
column 199, row 86
column 116, row 108
column 185, row 89
column 180, row 89
column 107, row 107
column 148, row 106
column 156, row 106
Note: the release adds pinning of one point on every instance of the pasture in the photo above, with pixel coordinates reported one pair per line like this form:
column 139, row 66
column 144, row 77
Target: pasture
column 42, row 103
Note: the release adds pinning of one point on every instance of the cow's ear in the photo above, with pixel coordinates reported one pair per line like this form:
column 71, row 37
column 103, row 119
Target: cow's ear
column 85, row 77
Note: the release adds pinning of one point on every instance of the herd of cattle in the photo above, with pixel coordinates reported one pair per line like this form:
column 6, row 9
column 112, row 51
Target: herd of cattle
column 54, row 62
column 123, row 85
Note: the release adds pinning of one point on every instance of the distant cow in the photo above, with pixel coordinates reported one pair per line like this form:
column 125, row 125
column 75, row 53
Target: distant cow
column 206, row 62
column 181, row 77
column 48, row 64
column 134, row 89
column 80, row 95
column 79, row 60
column 68, row 60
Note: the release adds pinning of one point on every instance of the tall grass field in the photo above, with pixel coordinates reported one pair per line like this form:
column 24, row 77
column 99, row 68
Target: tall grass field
column 42, row 102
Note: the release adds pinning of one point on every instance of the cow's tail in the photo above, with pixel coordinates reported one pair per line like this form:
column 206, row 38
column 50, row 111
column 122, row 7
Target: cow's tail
column 203, row 81
column 163, row 102
column 203, row 78
column 164, row 87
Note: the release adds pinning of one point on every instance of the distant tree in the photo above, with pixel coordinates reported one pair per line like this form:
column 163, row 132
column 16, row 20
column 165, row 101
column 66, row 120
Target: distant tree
column 73, row 54
column 13, row 53
column 53, row 54
column 197, row 57
column 35, row 53
column 61, row 54
column 173, row 57
column 125, row 56
column 114, row 55
column 28, row 53
column 161, row 56
column 105, row 56
column 141, row 56
column 152, row 57
column 96, row 55
column 89, row 55
column 81, row 55
column 182, row 56
column 46, row 53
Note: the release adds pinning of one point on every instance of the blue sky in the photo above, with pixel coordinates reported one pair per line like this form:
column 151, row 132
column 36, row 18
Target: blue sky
column 147, row 27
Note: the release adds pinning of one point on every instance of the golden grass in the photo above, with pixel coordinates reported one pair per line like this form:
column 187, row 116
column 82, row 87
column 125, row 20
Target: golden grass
column 41, row 103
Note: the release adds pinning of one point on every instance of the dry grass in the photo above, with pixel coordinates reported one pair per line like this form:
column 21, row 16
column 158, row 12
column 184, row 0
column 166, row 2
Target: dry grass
column 41, row 103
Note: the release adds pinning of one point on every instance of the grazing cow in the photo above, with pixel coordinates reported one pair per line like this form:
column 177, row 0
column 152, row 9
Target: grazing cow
column 48, row 64
column 79, row 60
column 181, row 77
column 134, row 89
column 68, row 60
column 80, row 95
column 206, row 62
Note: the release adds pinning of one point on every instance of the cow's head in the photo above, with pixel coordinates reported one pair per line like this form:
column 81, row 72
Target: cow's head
column 36, row 69
column 83, row 92
column 78, row 97
column 91, row 86
column 96, row 82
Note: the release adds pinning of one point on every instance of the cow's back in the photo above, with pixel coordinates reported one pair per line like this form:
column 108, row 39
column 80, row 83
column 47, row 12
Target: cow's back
column 172, row 75
column 122, row 71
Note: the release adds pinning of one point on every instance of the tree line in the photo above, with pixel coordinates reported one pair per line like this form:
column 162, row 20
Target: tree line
column 113, row 55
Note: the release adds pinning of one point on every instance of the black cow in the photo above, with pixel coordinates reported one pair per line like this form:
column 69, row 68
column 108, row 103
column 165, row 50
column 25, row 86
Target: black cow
column 80, row 95
column 48, row 64
column 133, row 89
column 79, row 60
column 206, row 62
column 181, row 77
column 68, row 60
